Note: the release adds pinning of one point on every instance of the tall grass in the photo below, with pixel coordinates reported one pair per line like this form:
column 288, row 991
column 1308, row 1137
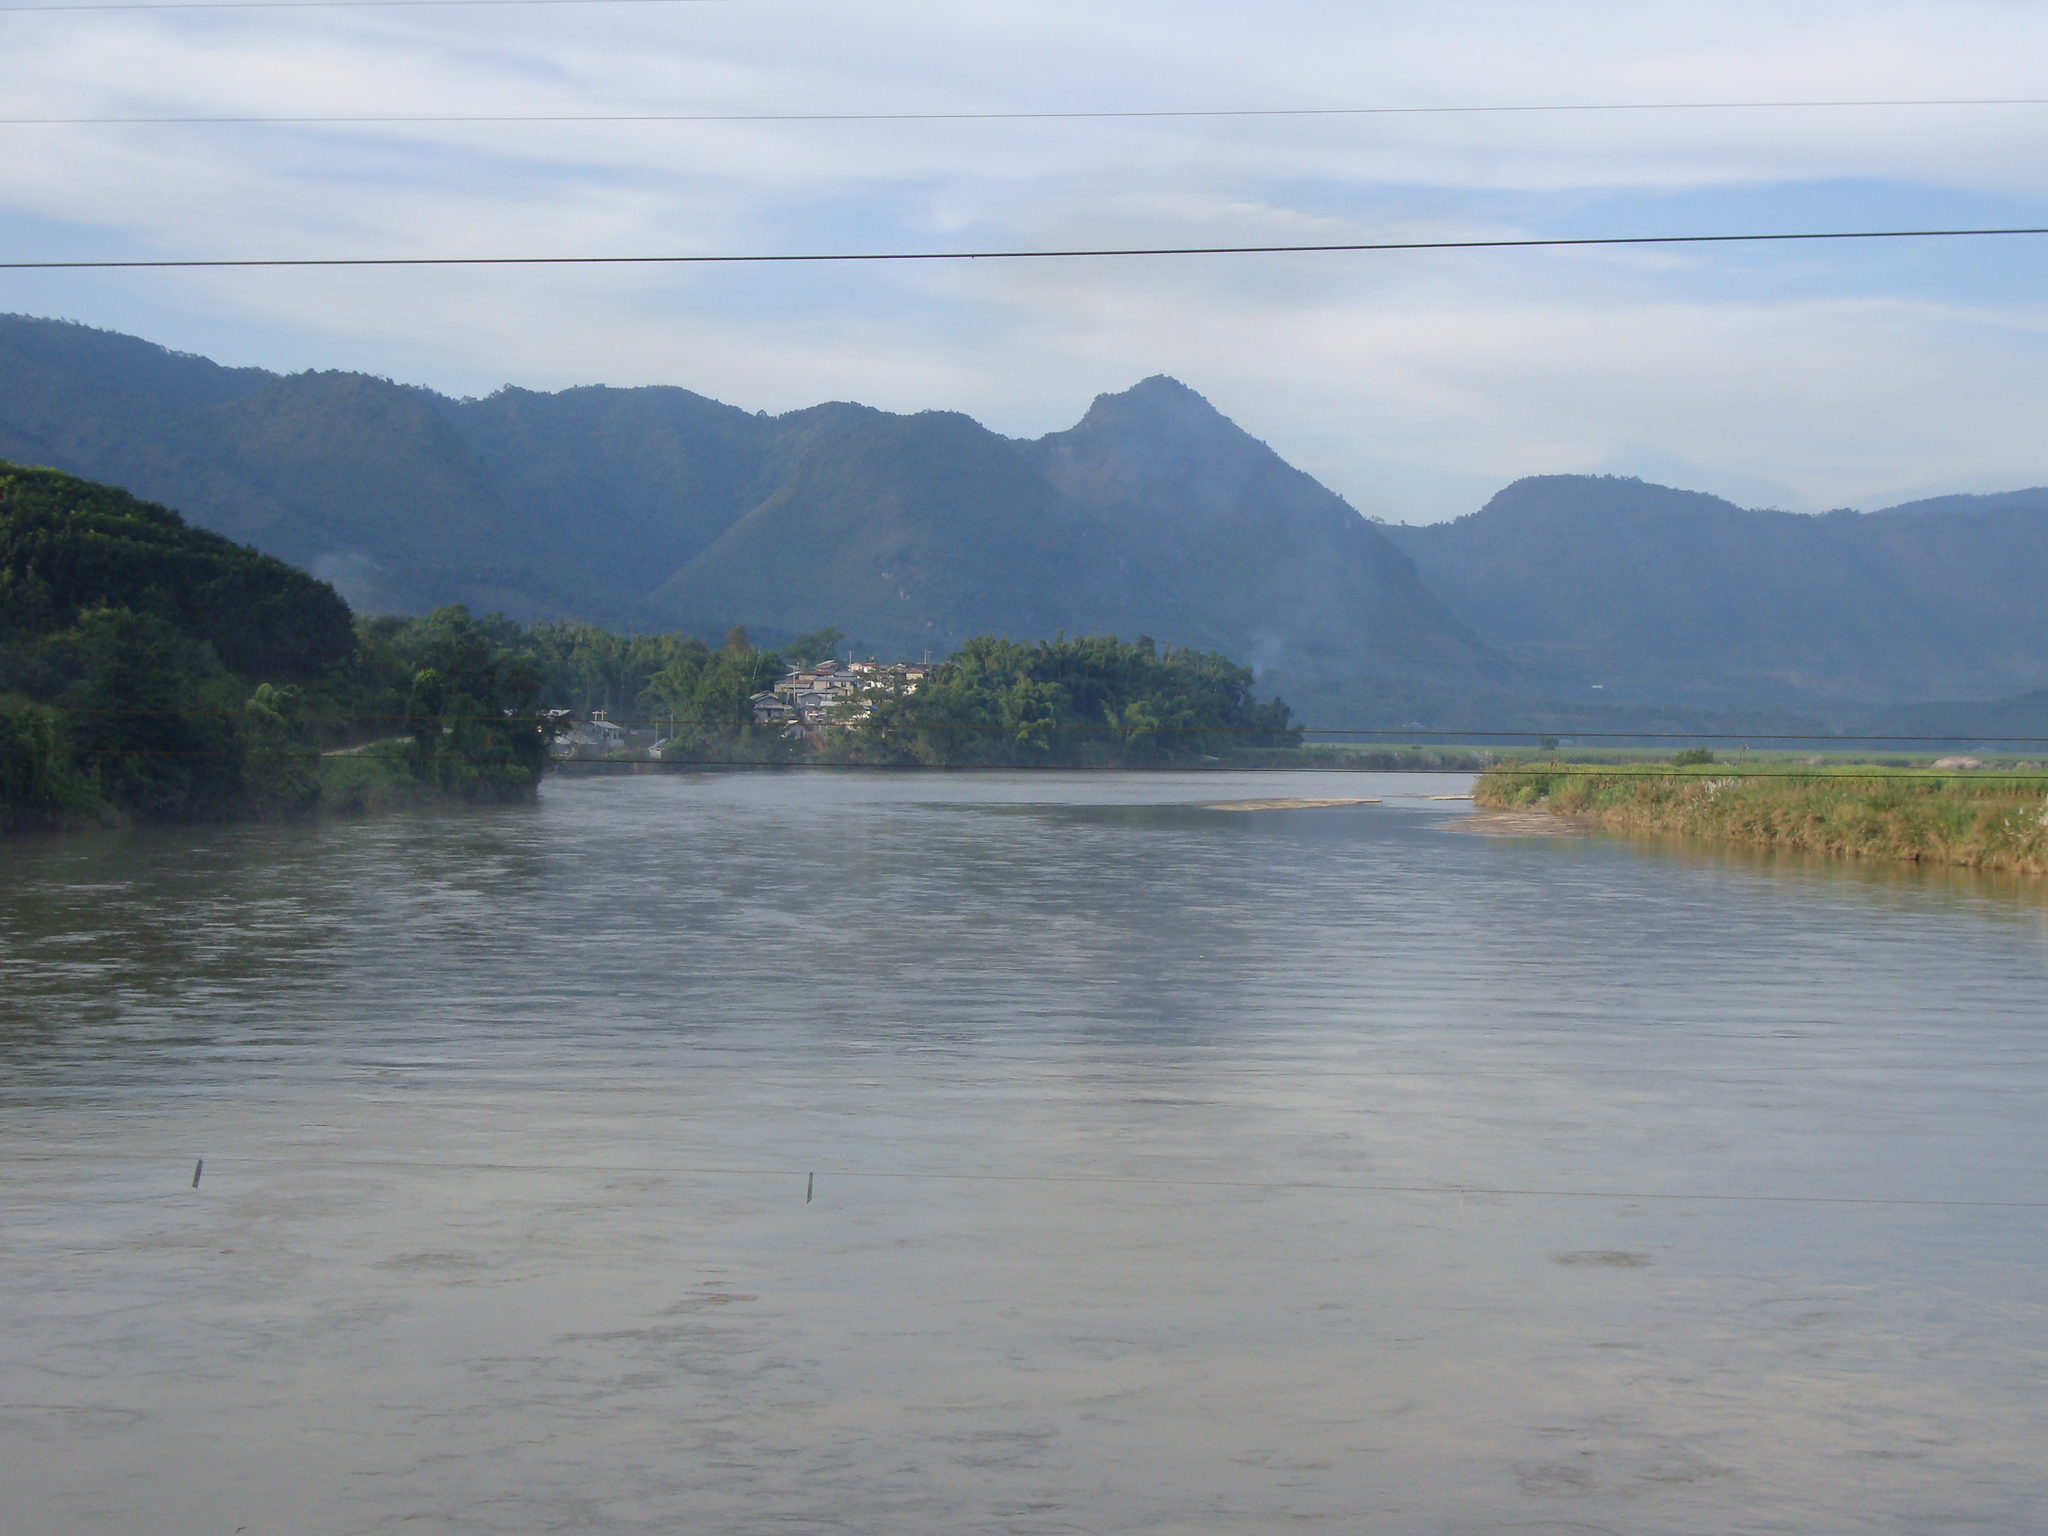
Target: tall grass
column 1982, row 820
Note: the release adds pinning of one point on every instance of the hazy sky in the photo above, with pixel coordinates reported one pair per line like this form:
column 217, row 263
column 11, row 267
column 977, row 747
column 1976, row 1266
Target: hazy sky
column 1806, row 377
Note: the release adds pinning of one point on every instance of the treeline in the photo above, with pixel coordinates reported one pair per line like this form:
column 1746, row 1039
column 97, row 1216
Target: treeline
column 150, row 671
column 1089, row 702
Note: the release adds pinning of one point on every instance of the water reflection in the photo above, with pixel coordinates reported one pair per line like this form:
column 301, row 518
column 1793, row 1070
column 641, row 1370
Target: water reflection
column 1176, row 1170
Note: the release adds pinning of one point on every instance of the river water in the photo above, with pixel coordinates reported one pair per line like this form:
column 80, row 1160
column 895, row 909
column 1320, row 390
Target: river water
column 1030, row 1153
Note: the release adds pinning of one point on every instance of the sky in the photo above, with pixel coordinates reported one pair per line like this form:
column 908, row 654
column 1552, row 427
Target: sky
column 1415, row 384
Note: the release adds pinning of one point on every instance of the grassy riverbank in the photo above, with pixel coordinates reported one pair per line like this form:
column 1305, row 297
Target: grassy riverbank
column 1982, row 820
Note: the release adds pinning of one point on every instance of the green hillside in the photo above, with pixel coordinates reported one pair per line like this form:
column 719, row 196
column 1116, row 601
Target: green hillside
column 128, row 642
column 68, row 546
column 151, row 671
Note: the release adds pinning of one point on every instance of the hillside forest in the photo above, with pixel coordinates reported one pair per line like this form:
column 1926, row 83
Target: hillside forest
column 151, row 671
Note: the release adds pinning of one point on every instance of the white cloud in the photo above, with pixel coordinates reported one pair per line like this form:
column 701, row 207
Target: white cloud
column 1414, row 384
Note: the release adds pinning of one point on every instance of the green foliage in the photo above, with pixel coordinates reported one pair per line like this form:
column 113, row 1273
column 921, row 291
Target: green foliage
column 469, row 694
column 709, row 699
column 585, row 669
column 150, row 720
column 466, row 692
column 68, row 546
column 1095, row 701
column 39, row 787
column 1985, row 820
column 121, row 635
column 809, row 650
column 280, row 765
column 153, row 672
column 1692, row 756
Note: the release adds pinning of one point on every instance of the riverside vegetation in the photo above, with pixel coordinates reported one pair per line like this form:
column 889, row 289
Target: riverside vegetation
column 151, row 671
column 1979, row 819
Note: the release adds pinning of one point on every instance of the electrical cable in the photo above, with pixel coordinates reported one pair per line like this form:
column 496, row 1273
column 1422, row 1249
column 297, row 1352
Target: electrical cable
column 1333, row 247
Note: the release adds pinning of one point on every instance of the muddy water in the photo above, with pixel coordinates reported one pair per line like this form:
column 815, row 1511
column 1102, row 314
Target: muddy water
column 1169, row 1170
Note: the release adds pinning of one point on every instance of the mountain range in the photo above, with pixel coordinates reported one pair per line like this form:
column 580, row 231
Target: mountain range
column 1676, row 596
column 659, row 508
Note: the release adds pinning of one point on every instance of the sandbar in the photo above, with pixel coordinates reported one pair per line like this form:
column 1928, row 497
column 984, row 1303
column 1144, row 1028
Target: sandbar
column 1293, row 804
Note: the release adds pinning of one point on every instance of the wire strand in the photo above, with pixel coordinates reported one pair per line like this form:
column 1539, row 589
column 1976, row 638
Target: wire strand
column 1334, row 247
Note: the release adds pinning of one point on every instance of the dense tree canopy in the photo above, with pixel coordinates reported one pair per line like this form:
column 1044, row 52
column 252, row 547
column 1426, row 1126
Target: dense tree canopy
column 150, row 671
column 1091, row 701
column 129, row 644
column 68, row 545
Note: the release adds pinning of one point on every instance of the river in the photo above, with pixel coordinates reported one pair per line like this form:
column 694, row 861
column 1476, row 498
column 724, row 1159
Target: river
column 1032, row 1153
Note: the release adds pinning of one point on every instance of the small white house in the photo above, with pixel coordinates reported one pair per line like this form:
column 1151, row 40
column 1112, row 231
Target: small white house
column 599, row 733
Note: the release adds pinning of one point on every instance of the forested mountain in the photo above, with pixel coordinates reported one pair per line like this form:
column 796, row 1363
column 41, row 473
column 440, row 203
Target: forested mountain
column 1153, row 516
column 356, row 479
column 659, row 508
column 1668, row 595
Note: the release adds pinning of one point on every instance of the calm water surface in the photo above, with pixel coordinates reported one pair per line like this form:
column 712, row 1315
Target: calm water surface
column 1176, row 1170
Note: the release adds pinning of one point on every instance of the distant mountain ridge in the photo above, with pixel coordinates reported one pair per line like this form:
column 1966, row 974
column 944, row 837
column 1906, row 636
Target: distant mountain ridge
column 660, row 508
column 1678, row 596
column 2034, row 498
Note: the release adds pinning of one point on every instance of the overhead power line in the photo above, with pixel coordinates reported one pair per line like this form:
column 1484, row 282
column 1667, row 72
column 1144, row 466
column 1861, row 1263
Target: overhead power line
column 1332, row 247
column 1013, row 117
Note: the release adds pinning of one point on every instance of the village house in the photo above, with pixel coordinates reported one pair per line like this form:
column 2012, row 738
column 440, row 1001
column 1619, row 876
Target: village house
column 593, row 737
column 810, row 698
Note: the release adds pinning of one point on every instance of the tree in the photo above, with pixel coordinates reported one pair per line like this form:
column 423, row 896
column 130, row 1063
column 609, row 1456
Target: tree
column 132, row 732
column 809, row 650
column 280, row 767
column 1094, row 700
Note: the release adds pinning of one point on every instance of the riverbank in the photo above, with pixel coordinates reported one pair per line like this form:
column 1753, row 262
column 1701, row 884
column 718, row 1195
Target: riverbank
column 1980, row 820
